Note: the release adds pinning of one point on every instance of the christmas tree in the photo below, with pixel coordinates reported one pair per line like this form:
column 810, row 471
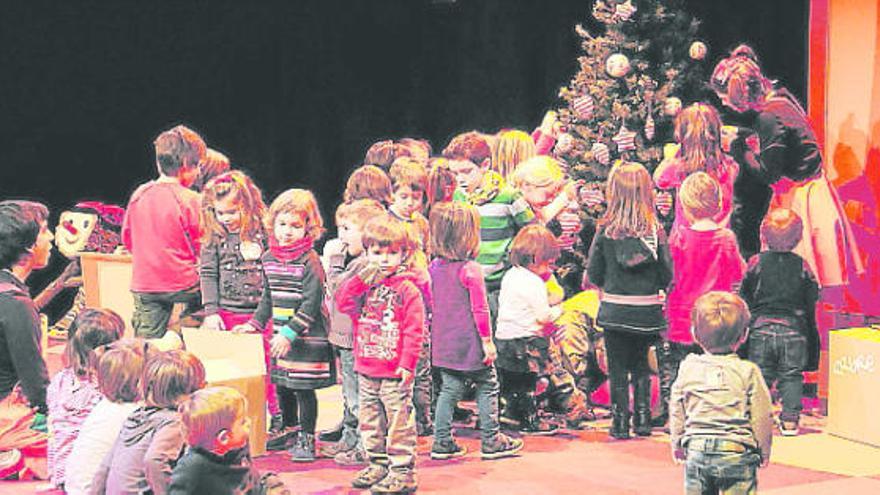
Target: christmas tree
column 641, row 63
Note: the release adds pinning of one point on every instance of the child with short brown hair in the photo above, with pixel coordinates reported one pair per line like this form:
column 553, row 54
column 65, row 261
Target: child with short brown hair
column 217, row 460
column 118, row 371
column 781, row 292
column 719, row 412
column 151, row 438
column 368, row 182
column 389, row 319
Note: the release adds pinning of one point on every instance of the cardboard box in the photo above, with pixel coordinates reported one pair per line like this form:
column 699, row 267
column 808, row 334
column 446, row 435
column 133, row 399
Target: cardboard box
column 854, row 385
column 107, row 282
column 235, row 360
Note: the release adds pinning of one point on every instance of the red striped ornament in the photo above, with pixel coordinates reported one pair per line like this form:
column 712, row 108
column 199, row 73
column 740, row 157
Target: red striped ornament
column 583, row 107
column 564, row 144
column 601, row 153
column 625, row 139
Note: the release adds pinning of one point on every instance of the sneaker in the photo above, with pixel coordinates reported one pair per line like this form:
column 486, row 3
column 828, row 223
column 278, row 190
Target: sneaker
column 369, row 476
column 501, row 446
column 447, row 450
column 332, row 435
column 351, row 457
column 303, row 449
column 11, row 462
column 788, row 428
column 538, row 427
column 281, row 438
column 397, row 482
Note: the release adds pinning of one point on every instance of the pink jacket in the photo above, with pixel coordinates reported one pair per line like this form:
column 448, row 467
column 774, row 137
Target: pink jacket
column 161, row 229
column 703, row 261
column 389, row 323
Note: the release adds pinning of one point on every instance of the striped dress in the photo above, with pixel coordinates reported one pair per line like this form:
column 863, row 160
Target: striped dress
column 293, row 297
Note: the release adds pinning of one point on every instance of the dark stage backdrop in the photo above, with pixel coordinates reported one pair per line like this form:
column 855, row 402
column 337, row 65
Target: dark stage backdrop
column 294, row 91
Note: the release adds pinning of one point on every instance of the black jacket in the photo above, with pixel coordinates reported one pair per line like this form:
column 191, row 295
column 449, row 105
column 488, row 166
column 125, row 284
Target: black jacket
column 20, row 358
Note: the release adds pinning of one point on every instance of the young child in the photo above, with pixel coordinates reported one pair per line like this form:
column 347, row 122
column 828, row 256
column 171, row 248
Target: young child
column 698, row 133
column 118, row 371
column 409, row 181
column 368, row 182
column 350, row 221
column 151, row 438
column 629, row 261
column 293, row 297
column 230, row 271
column 389, row 318
column 719, row 412
column 524, row 313
column 512, row 147
column 218, row 460
column 463, row 350
column 555, row 203
column 73, row 391
column 503, row 211
column 781, row 292
column 161, row 230
column 706, row 257
column 441, row 183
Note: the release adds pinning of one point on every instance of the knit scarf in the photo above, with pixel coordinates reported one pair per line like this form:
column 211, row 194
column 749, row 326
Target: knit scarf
column 293, row 251
column 487, row 190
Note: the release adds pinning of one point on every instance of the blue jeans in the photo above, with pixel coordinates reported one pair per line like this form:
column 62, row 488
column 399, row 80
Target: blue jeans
column 711, row 472
column 451, row 391
column 781, row 353
column 350, row 435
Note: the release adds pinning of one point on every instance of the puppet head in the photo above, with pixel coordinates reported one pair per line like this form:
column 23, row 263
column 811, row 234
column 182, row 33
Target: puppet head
column 90, row 226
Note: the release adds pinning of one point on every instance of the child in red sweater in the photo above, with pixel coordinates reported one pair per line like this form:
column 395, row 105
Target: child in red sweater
column 389, row 317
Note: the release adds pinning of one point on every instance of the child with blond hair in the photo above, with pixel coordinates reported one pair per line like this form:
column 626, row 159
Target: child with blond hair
column 462, row 349
column 629, row 261
column 720, row 422
column 511, row 147
column 217, row 460
column 388, row 312
column 293, row 297
column 706, row 258
column 161, row 229
column 73, row 392
column 118, row 371
column 151, row 438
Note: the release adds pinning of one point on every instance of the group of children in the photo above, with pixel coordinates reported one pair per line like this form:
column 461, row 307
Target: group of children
column 447, row 278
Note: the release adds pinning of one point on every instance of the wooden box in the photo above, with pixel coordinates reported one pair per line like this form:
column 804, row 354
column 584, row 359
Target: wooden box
column 854, row 384
column 235, row 360
column 107, row 282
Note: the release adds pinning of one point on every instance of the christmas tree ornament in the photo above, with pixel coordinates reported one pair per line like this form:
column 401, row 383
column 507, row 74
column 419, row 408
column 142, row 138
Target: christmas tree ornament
column 624, row 11
column 698, row 50
column 601, row 153
column 617, row 65
column 625, row 139
column 649, row 128
column 671, row 106
column 564, row 144
column 583, row 107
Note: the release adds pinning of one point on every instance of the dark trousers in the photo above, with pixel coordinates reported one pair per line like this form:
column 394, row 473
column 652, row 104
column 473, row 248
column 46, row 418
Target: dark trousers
column 298, row 407
column 669, row 358
column 628, row 364
column 152, row 310
column 781, row 353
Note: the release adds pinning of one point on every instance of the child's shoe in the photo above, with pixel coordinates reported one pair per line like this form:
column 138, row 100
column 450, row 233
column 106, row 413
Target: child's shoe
column 351, row 457
column 303, row 449
column 332, row 435
column 11, row 462
column 369, row 476
column 281, row 438
column 789, row 427
column 538, row 426
column 501, row 446
column 397, row 482
column 619, row 423
column 331, row 449
column 447, row 450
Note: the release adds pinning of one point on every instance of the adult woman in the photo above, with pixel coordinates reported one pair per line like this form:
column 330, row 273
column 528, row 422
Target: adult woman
column 787, row 161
